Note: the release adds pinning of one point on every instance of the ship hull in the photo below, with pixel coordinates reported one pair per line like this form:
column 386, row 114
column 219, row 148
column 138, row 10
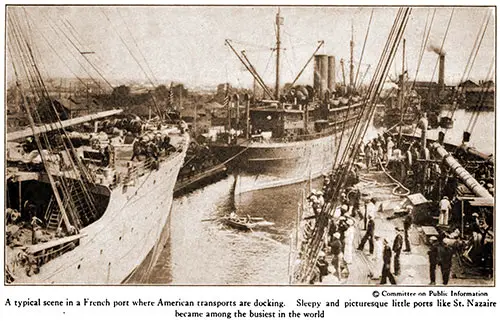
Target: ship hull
column 267, row 165
column 133, row 223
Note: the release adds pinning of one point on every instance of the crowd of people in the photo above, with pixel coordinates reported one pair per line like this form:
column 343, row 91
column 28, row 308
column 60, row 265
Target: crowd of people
column 383, row 255
column 349, row 222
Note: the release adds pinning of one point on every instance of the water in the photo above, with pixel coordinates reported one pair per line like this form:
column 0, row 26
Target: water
column 203, row 251
column 483, row 133
column 207, row 252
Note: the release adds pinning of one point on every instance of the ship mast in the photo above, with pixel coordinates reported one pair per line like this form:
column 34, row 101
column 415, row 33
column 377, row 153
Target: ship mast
column 279, row 21
column 351, row 65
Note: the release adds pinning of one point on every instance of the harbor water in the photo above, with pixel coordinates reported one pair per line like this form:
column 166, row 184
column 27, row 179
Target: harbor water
column 201, row 250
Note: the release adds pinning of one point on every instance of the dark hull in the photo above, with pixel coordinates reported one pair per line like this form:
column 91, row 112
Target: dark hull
column 265, row 165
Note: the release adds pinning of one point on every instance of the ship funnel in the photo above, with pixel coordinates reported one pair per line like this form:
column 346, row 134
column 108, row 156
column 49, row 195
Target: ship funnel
column 317, row 75
column 441, row 71
column 320, row 74
column 331, row 73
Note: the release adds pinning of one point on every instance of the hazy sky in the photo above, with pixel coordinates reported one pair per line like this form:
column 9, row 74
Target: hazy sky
column 186, row 44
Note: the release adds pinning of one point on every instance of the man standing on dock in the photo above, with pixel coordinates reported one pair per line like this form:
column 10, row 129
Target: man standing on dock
column 432, row 259
column 390, row 147
column 386, row 268
column 444, row 211
column 444, row 258
column 336, row 250
column 370, row 231
column 407, row 225
column 368, row 156
column 397, row 246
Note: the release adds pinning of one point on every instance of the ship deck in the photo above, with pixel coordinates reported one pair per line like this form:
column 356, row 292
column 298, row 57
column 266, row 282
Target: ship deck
column 414, row 264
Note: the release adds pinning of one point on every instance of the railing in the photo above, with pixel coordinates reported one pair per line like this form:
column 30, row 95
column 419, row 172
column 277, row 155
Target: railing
column 136, row 170
column 332, row 128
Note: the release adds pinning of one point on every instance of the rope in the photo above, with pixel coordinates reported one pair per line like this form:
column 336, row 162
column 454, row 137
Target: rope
column 78, row 50
column 136, row 60
column 233, row 157
column 473, row 55
column 138, row 48
column 363, row 50
column 475, row 115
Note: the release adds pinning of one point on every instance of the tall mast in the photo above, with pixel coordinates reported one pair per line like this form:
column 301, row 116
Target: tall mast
column 402, row 92
column 279, row 21
column 351, row 66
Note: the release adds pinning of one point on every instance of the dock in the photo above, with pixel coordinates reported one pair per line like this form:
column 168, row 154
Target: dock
column 414, row 264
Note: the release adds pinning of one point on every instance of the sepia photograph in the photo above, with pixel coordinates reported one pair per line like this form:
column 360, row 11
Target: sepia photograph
column 249, row 145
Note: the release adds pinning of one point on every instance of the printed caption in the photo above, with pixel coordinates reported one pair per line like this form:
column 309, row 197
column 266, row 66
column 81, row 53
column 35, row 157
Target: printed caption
column 269, row 307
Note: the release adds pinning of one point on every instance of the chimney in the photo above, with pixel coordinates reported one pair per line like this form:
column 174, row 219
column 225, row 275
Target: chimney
column 323, row 69
column 441, row 72
column 320, row 74
column 331, row 73
column 317, row 75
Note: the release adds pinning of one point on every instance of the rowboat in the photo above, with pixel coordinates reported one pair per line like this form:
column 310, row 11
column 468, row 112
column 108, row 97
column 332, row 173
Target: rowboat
column 245, row 223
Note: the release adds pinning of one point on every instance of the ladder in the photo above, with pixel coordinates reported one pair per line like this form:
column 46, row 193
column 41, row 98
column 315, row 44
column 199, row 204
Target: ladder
column 52, row 215
column 80, row 204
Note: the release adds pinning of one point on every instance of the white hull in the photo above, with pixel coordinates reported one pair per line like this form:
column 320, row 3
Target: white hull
column 122, row 238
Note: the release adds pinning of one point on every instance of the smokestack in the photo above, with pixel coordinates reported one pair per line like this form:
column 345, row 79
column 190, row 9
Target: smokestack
column 441, row 71
column 323, row 71
column 331, row 73
column 317, row 75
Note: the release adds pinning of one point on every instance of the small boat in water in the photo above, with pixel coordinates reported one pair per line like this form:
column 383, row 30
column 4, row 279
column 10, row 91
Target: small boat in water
column 245, row 223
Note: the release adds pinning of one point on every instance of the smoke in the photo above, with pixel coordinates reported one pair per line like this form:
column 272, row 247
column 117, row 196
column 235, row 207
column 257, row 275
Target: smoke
column 436, row 49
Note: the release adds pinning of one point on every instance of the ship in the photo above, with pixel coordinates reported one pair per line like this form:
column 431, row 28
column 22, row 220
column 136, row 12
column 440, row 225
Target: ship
column 295, row 134
column 132, row 202
column 88, row 198
column 413, row 174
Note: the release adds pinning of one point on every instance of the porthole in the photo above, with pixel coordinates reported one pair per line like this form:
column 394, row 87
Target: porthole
column 78, row 267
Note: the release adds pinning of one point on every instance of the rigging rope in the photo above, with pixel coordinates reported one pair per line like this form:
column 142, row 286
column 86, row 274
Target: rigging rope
column 138, row 48
column 79, row 169
column 158, row 111
column 60, row 31
column 308, row 262
column 474, row 52
column 363, row 49
column 475, row 114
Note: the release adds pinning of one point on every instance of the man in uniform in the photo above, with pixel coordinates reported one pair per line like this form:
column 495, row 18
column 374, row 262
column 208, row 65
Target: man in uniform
column 397, row 246
column 386, row 268
column 336, row 250
column 408, row 221
column 433, row 258
column 370, row 231
column 444, row 210
column 444, row 257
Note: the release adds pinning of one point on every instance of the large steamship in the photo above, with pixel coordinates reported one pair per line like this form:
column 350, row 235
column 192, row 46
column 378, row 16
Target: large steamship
column 88, row 200
column 294, row 136
column 131, row 203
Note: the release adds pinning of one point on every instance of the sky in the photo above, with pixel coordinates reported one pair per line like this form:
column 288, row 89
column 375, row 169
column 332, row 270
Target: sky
column 186, row 43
